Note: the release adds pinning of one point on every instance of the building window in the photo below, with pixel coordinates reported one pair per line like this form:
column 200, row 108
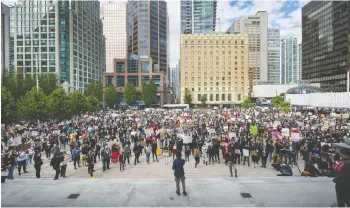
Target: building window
column 199, row 97
column 223, row 97
column 120, row 81
column 120, row 67
column 156, row 80
column 134, row 80
column 133, row 64
column 217, row 97
column 211, row 97
column 145, row 67
column 239, row 97
column 109, row 80
column 229, row 97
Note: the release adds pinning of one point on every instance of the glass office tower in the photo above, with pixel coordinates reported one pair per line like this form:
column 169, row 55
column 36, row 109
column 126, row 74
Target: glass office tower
column 198, row 16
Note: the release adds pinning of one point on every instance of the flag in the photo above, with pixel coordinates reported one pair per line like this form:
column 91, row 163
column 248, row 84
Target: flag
column 218, row 18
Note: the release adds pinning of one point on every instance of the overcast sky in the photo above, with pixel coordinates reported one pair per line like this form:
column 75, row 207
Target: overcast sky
column 284, row 15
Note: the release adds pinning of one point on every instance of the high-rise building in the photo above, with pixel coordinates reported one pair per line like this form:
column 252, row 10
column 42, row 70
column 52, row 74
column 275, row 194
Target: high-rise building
column 114, row 30
column 326, row 44
column 61, row 37
column 5, row 36
column 147, row 39
column 147, row 32
column 175, row 81
column 214, row 65
column 289, row 60
column 300, row 61
column 198, row 16
column 256, row 28
column 273, row 56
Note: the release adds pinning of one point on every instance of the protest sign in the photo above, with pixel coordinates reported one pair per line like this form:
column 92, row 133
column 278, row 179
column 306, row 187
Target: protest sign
column 232, row 135
column 253, row 130
column 285, row 132
column 55, row 132
column 245, row 153
column 34, row 133
column 18, row 140
column 187, row 139
column 295, row 136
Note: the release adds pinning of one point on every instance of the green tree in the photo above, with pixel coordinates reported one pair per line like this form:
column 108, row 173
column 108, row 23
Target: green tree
column 247, row 103
column 279, row 103
column 149, row 92
column 78, row 102
column 129, row 93
column 33, row 105
column 188, row 97
column 204, row 100
column 47, row 82
column 94, row 89
column 8, row 106
column 93, row 103
column 111, row 96
column 59, row 104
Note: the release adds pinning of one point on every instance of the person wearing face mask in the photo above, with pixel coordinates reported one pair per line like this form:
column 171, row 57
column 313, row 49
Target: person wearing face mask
column 263, row 154
column 291, row 153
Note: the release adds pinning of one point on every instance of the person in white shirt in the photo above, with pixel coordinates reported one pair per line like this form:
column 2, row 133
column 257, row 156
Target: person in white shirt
column 21, row 161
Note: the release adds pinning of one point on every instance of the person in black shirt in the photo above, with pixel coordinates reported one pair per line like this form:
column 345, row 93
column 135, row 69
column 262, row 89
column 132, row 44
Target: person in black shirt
column 342, row 181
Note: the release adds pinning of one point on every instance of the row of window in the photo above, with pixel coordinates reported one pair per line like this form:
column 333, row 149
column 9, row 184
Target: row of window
column 214, row 42
column 210, row 97
column 217, row 84
column 217, row 48
column 35, row 49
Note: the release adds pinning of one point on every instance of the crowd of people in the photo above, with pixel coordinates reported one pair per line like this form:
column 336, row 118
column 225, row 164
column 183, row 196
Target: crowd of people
column 230, row 136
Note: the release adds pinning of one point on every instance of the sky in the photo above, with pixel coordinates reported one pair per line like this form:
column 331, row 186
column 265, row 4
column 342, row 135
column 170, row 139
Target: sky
column 283, row 15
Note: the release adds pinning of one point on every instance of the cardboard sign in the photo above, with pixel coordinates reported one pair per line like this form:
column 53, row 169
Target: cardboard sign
column 253, row 130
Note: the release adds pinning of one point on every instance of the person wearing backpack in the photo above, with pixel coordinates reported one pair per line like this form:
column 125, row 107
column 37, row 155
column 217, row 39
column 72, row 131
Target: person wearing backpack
column 55, row 163
column 187, row 152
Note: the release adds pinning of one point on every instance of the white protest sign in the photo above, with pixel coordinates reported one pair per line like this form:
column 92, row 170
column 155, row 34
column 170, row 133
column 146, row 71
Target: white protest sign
column 133, row 133
column 226, row 128
column 285, row 132
column 187, row 139
column 34, row 133
column 181, row 136
column 245, row 153
column 295, row 136
column 232, row 134
column 211, row 131
column 55, row 132
column 276, row 123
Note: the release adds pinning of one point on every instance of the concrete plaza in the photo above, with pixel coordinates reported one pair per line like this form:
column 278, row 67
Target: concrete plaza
column 150, row 192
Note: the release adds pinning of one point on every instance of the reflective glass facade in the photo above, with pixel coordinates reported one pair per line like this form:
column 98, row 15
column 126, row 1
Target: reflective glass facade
column 62, row 37
column 289, row 60
column 198, row 16
column 273, row 56
column 147, row 31
column 326, row 43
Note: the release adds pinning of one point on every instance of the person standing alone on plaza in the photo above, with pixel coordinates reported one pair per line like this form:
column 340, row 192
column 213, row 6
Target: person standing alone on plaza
column 179, row 173
column 231, row 158
column 38, row 162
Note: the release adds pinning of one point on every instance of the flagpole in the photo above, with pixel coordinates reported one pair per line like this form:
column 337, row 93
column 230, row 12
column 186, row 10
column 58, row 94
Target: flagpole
column 348, row 79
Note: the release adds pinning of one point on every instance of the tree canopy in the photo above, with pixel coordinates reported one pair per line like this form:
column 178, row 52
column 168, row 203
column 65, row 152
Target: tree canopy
column 111, row 96
column 188, row 97
column 34, row 105
column 59, row 104
column 279, row 103
column 129, row 93
column 204, row 100
column 247, row 103
column 149, row 92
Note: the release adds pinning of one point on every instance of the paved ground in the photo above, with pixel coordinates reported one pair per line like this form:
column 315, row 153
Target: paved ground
column 202, row 192
column 155, row 170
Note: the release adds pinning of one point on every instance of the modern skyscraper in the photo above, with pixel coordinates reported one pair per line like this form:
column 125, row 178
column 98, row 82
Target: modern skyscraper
column 256, row 28
column 273, row 56
column 114, row 30
column 175, row 81
column 214, row 65
column 289, row 60
column 147, row 31
column 326, row 44
column 61, row 37
column 198, row 16
column 5, row 36
column 300, row 61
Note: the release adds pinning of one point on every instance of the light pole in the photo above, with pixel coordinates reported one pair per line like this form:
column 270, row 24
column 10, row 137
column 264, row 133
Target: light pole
column 37, row 70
